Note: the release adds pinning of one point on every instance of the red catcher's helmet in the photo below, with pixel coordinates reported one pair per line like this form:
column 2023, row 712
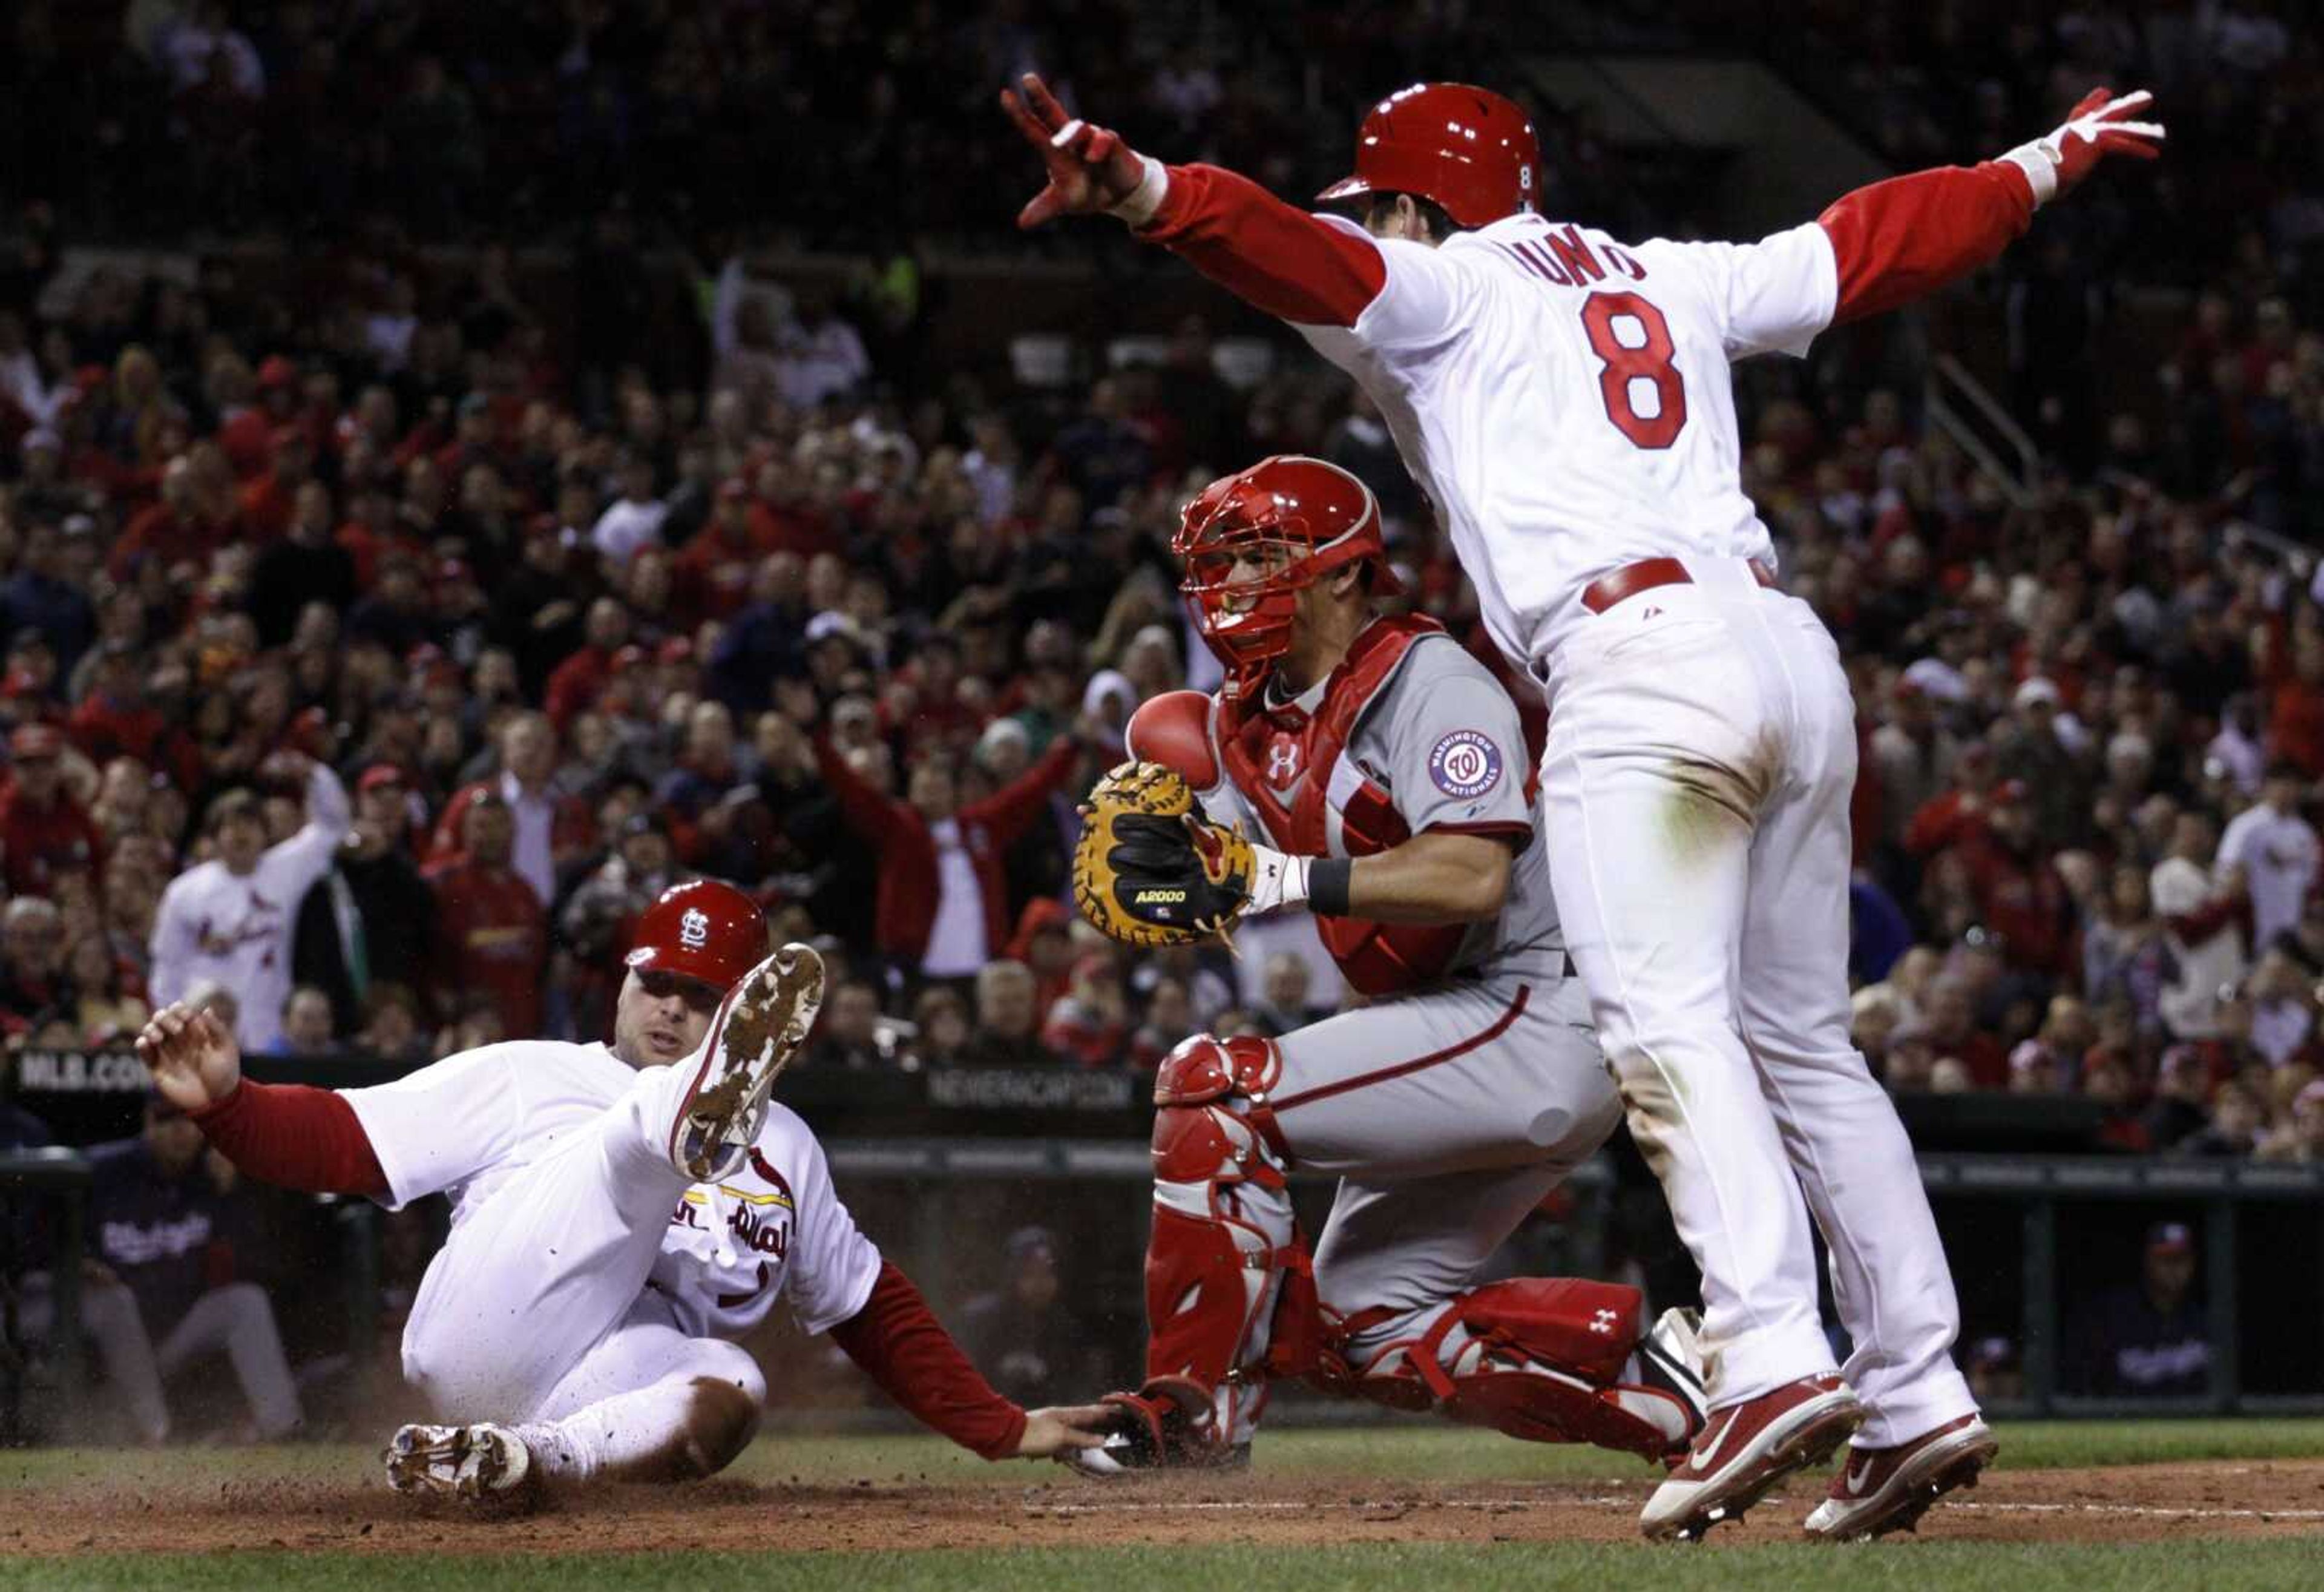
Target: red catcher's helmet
column 1468, row 151
column 1296, row 518
column 701, row 930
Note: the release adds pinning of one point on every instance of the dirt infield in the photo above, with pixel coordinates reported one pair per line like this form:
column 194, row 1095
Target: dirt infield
column 2240, row 1498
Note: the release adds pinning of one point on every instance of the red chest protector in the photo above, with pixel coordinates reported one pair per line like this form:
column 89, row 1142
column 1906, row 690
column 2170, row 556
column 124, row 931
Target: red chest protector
column 1333, row 808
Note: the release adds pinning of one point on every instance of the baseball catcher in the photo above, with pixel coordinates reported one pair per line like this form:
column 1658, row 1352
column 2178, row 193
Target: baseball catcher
column 1369, row 769
column 622, row 1215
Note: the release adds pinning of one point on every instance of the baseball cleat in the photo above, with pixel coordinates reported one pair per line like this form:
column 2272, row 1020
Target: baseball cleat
column 474, row 1463
column 762, row 1023
column 1744, row 1449
column 1883, row 1490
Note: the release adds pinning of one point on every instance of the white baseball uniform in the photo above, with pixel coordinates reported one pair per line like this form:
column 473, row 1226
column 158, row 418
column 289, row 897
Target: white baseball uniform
column 1564, row 400
column 235, row 927
column 581, row 1267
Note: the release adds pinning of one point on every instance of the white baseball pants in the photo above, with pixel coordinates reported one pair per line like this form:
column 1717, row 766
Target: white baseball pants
column 537, row 1309
column 1700, row 755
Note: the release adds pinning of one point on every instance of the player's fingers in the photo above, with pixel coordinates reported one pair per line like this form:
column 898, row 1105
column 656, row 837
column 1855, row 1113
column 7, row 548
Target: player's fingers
column 1099, row 147
column 1044, row 103
column 2089, row 104
column 1035, row 134
column 2138, row 100
column 2136, row 148
column 1041, row 209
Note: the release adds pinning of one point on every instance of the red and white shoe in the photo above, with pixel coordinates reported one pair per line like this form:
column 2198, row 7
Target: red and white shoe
column 1890, row 1489
column 1746, row 1448
column 760, row 1027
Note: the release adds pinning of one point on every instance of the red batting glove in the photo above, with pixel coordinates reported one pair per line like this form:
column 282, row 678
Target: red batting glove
column 2100, row 125
column 1092, row 171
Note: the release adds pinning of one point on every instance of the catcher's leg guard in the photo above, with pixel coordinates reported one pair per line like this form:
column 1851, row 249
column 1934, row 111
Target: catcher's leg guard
column 1230, row 1294
column 1548, row 1360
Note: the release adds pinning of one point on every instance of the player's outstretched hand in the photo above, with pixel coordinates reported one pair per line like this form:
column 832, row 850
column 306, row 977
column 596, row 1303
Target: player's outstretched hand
column 1050, row 1432
column 2103, row 123
column 1091, row 170
column 193, row 1059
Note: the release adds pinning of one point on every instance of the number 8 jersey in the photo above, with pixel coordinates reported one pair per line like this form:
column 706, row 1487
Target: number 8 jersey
column 1564, row 400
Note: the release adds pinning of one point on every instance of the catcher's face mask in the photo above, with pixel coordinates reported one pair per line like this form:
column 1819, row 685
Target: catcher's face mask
column 1252, row 542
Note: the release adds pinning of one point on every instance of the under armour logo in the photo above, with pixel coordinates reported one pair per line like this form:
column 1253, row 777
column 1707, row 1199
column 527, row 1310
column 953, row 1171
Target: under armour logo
column 1650, row 614
column 1282, row 762
column 694, row 928
column 1603, row 1322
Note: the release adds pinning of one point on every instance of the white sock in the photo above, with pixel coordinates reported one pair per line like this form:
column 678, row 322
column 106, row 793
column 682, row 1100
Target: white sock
column 631, row 1436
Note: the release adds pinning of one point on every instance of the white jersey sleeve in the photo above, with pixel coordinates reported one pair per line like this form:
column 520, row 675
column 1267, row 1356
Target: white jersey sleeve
column 1772, row 296
column 444, row 1124
column 1429, row 298
column 833, row 1265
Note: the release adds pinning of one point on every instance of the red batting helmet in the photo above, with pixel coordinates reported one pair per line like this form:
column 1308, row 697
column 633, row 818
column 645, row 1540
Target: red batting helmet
column 1293, row 519
column 701, row 930
column 1468, row 151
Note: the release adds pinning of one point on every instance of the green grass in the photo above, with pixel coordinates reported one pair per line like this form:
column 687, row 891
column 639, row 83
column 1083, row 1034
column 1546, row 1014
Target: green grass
column 1420, row 1450
column 2215, row 1567
column 1415, row 1451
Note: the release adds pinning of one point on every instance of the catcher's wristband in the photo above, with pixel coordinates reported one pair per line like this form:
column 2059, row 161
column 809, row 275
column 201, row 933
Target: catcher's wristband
column 1328, row 878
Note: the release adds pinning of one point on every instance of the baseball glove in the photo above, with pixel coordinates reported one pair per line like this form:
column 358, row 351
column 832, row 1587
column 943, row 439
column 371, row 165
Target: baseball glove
column 1150, row 870
column 1169, row 1424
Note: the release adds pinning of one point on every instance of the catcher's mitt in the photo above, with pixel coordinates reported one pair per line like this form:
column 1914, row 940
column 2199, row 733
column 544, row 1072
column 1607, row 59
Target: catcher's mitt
column 1150, row 870
column 1169, row 1424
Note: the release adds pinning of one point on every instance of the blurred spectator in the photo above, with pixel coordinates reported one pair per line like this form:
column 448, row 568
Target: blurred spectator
column 491, row 931
column 2182, row 1093
column 1008, row 1019
column 2301, row 1137
column 164, row 1219
column 1169, row 1020
column 1284, row 987
column 553, row 829
column 106, row 1008
column 43, row 830
column 1025, row 1335
column 32, row 960
column 2238, row 1120
column 1090, row 1023
column 367, row 921
column 229, row 919
column 848, row 1033
column 940, row 1022
column 2205, row 940
column 307, row 1025
column 944, row 906
column 2274, row 847
column 2150, row 1337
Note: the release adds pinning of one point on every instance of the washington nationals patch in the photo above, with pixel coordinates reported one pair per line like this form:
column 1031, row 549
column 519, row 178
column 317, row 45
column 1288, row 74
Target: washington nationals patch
column 1465, row 763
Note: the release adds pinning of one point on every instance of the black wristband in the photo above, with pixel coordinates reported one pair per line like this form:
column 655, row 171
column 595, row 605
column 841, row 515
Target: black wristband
column 1327, row 885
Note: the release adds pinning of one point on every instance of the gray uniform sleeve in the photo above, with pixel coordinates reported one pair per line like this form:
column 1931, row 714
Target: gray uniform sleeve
column 1448, row 741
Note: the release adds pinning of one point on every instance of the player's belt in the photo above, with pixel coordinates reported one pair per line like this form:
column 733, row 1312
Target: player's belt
column 1630, row 580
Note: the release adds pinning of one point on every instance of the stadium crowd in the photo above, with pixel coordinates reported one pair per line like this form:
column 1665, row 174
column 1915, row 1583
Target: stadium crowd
column 372, row 655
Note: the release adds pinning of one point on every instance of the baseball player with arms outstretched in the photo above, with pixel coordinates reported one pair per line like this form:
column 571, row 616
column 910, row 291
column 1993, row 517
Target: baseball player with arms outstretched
column 1563, row 399
column 623, row 1213
column 1385, row 774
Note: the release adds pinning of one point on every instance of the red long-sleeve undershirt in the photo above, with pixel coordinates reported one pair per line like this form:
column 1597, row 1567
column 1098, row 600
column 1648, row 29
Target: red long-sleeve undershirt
column 899, row 1344
column 294, row 1137
column 310, row 1139
column 1892, row 242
